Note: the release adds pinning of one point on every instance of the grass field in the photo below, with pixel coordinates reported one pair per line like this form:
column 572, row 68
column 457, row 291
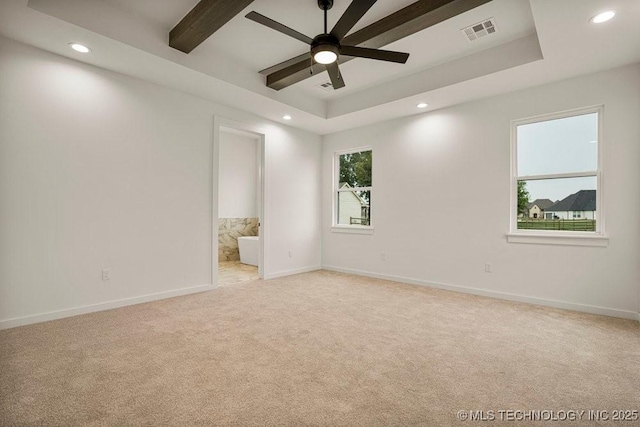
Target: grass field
column 557, row 224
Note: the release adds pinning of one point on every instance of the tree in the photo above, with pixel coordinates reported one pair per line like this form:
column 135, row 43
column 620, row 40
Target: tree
column 355, row 170
column 523, row 197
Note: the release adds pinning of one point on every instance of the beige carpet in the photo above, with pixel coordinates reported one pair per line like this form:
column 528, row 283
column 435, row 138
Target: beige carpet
column 316, row 349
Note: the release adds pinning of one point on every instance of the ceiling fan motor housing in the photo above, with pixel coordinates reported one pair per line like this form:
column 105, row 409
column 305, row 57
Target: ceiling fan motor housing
column 325, row 43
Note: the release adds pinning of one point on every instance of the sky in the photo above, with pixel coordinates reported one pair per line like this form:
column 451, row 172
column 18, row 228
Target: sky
column 558, row 146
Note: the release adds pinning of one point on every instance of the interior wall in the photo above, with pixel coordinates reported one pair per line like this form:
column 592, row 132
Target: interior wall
column 440, row 201
column 100, row 170
column 238, row 176
column 296, row 211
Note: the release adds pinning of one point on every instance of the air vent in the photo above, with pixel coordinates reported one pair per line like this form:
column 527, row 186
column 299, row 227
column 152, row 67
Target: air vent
column 479, row 30
column 326, row 86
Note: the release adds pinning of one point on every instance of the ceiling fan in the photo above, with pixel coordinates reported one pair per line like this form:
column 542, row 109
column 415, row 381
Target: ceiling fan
column 326, row 47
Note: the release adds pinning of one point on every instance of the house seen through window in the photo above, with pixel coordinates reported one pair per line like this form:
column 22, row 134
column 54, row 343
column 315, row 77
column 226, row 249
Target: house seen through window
column 557, row 172
column 353, row 186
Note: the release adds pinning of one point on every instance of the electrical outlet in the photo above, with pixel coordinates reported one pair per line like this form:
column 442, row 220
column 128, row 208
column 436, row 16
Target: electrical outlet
column 383, row 256
column 488, row 268
column 106, row 274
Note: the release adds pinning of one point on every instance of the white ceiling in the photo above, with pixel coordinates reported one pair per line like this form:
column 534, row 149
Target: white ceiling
column 538, row 41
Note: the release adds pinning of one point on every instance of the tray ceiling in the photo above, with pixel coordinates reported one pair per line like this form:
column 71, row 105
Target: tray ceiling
column 534, row 36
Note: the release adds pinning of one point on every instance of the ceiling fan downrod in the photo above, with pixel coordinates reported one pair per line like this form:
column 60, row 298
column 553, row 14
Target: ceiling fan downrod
column 325, row 5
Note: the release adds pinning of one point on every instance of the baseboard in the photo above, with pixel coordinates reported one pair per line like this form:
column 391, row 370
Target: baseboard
column 53, row 315
column 612, row 312
column 291, row 272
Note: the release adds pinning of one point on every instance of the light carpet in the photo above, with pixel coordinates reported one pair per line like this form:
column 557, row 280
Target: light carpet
column 319, row 349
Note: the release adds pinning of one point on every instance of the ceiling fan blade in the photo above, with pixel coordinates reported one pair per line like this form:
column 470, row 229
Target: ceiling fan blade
column 274, row 25
column 335, row 75
column 350, row 17
column 379, row 54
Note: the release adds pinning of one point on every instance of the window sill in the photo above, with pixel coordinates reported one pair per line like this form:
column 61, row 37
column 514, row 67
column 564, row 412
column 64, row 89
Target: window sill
column 352, row 229
column 559, row 239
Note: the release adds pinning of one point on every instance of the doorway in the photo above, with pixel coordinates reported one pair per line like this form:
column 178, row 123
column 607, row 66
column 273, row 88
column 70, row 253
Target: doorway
column 238, row 237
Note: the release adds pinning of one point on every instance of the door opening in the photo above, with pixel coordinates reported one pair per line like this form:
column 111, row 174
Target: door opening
column 238, row 226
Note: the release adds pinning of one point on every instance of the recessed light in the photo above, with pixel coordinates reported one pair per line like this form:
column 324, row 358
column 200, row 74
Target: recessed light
column 422, row 105
column 603, row 17
column 286, row 117
column 79, row 47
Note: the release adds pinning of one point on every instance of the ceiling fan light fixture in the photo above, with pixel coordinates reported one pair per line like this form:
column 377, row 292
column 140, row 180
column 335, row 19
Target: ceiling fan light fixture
column 325, row 53
column 325, row 57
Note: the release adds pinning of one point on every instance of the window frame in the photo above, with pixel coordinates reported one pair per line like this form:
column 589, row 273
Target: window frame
column 579, row 238
column 348, row 228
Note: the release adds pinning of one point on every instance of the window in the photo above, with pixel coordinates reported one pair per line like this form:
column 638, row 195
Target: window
column 352, row 189
column 556, row 164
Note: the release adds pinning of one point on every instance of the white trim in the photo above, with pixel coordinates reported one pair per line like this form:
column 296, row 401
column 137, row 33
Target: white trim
column 215, row 196
column 559, row 115
column 559, row 239
column 600, row 224
column 597, row 238
column 584, row 308
column 587, row 174
column 352, row 229
column 262, row 212
column 92, row 308
column 292, row 272
column 354, row 150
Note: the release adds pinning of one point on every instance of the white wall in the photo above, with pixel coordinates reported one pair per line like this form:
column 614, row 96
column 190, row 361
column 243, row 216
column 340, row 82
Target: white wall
column 238, row 176
column 432, row 171
column 292, row 214
column 99, row 170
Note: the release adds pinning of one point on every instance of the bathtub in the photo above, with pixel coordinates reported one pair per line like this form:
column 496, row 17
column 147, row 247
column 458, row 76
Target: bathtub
column 249, row 247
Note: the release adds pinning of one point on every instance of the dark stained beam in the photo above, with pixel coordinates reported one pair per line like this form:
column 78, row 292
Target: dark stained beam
column 205, row 19
column 409, row 20
column 285, row 64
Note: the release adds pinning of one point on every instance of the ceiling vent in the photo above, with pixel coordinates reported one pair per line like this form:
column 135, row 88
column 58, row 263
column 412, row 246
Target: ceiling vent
column 326, row 86
column 479, row 30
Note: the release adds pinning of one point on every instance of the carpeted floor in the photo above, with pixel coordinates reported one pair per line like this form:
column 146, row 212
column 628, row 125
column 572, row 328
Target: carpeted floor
column 318, row 349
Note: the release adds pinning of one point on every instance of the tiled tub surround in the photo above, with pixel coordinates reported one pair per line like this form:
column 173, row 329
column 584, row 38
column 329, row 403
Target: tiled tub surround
column 228, row 231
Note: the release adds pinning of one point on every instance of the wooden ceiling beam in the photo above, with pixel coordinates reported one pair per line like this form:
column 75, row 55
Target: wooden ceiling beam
column 405, row 22
column 207, row 17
